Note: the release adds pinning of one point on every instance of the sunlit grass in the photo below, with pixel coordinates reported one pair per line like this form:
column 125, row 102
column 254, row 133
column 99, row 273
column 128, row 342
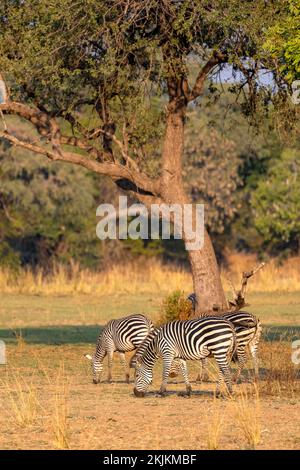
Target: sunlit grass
column 146, row 278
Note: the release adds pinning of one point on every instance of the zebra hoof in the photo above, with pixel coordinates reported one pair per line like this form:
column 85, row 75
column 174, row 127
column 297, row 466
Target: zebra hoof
column 162, row 393
column 95, row 381
column 138, row 394
column 127, row 378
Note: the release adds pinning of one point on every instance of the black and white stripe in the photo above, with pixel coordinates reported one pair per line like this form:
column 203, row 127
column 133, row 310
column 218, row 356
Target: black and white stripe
column 122, row 335
column 248, row 332
column 189, row 339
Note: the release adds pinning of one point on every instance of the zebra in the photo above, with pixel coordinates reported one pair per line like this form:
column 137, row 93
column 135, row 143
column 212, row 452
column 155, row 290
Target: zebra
column 185, row 339
column 121, row 335
column 248, row 332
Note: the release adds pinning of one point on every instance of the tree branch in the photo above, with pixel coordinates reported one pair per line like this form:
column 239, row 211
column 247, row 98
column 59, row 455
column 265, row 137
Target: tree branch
column 140, row 182
column 48, row 127
column 215, row 59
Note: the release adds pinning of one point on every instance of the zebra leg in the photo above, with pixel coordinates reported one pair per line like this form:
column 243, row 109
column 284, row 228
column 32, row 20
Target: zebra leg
column 242, row 357
column 253, row 350
column 110, row 355
column 203, row 375
column 184, row 372
column 175, row 368
column 167, row 363
column 125, row 365
column 224, row 374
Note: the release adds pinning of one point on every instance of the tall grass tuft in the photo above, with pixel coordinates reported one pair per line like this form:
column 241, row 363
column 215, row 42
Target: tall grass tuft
column 60, row 424
column 214, row 426
column 247, row 412
column 22, row 399
column 20, row 340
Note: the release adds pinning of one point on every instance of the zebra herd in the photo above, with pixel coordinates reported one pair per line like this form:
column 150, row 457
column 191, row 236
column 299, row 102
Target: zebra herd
column 224, row 337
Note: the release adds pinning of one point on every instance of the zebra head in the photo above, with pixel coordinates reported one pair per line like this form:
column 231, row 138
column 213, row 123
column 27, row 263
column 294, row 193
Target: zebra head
column 143, row 378
column 192, row 298
column 97, row 368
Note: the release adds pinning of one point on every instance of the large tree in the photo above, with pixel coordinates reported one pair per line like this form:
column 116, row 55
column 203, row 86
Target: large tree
column 85, row 74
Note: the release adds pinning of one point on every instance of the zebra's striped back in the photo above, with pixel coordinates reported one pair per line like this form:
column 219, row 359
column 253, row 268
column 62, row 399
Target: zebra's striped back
column 246, row 325
column 248, row 332
column 188, row 339
column 128, row 333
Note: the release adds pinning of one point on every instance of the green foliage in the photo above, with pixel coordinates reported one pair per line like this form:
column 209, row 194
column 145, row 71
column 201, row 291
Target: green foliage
column 117, row 56
column 175, row 307
column 283, row 41
column 45, row 208
column 211, row 170
column 276, row 202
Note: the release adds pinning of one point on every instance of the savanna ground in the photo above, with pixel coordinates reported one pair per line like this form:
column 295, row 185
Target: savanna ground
column 48, row 401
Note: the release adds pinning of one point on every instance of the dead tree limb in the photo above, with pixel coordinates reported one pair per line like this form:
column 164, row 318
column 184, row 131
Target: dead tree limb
column 238, row 301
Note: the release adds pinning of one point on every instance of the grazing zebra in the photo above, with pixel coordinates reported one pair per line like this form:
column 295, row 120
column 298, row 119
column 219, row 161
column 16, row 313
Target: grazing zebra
column 248, row 332
column 187, row 339
column 122, row 335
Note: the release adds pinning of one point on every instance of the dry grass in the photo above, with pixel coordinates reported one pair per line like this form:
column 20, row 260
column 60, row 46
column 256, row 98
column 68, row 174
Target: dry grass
column 19, row 340
column 281, row 376
column 248, row 415
column 133, row 278
column 60, row 425
column 45, row 404
column 22, row 400
column 214, row 426
column 73, row 413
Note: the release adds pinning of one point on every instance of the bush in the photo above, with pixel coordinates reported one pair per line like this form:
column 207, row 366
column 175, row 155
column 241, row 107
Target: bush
column 175, row 307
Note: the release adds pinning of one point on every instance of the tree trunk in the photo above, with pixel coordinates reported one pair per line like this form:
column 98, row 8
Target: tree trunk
column 206, row 279
column 206, row 276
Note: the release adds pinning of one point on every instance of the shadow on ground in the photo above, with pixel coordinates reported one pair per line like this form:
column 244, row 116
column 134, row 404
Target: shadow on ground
column 76, row 334
column 57, row 335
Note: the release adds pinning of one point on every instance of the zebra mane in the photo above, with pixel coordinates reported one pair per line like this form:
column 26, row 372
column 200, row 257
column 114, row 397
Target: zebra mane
column 139, row 353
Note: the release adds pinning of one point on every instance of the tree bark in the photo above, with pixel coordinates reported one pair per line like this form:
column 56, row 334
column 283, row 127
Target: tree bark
column 206, row 279
column 205, row 272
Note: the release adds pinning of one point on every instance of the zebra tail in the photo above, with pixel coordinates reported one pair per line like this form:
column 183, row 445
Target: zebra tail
column 234, row 348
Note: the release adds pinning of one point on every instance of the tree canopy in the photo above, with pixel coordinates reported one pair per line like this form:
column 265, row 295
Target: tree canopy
column 103, row 82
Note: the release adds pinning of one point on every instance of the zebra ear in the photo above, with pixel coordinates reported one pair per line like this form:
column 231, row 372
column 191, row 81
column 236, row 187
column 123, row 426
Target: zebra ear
column 134, row 362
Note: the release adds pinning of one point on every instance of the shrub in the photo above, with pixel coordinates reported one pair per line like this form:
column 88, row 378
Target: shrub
column 176, row 306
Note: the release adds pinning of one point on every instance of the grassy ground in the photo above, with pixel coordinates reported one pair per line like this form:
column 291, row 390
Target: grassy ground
column 47, row 399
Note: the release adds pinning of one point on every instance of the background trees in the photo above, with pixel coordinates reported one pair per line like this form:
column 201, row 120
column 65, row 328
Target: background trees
column 103, row 82
column 276, row 204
